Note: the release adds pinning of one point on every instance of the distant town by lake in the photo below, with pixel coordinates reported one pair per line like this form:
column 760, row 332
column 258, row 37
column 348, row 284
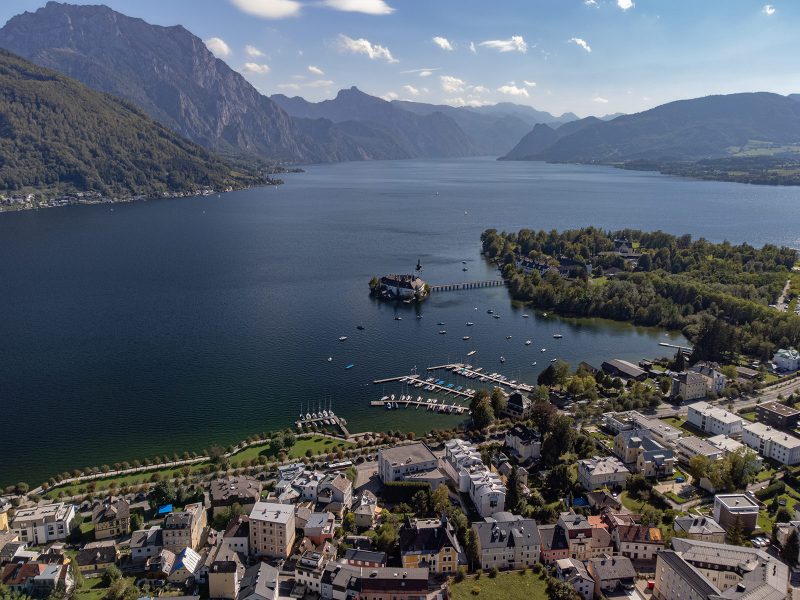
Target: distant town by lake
column 170, row 325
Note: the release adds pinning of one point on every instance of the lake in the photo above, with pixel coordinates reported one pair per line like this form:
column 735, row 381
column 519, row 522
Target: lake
column 165, row 326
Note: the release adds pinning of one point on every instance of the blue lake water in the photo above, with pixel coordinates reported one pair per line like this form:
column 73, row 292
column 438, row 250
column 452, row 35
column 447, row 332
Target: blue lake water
column 167, row 325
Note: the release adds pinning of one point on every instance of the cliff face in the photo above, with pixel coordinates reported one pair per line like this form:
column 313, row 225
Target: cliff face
column 167, row 71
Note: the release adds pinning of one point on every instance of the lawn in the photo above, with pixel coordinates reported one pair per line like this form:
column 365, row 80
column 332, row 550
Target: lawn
column 122, row 480
column 749, row 415
column 317, row 444
column 94, row 589
column 681, row 423
column 506, row 586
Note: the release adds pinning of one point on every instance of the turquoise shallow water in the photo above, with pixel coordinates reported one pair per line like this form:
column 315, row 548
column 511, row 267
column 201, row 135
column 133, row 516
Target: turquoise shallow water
column 168, row 325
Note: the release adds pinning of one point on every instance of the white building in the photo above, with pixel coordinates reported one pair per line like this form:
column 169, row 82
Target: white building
column 728, row 445
column 464, row 466
column 772, row 443
column 597, row 472
column 714, row 420
column 525, row 442
column 398, row 462
column 42, row 524
column 272, row 529
column 574, row 572
column 787, row 359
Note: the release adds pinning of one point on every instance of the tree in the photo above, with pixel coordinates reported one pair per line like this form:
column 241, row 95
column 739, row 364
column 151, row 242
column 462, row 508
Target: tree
column 483, row 414
column 137, row 521
column 111, row 574
column 791, row 548
column 163, row 493
column 559, row 439
column 651, row 516
column 499, row 401
column 699, row 467
column 558, row 480
column 473, row 549
column 547, row 377
column 560, row 371
column 421, row 503
column 783, row 515
column 514, row 498
column 679, row 362
column 736, row 532
column 440, row 499
column 561, row 590
column 542, row 412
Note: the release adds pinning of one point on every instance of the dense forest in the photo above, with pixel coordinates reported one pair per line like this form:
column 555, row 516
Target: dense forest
column 58, row 136
column 717, row 294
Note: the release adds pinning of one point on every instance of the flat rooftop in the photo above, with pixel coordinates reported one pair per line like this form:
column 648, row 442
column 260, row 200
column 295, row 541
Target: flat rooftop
column 408, row 454
column 736, row 501
column 778, row 408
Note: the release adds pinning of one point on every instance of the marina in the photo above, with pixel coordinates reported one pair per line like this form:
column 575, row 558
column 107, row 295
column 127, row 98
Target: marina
column 323, row 417
column 431, row 404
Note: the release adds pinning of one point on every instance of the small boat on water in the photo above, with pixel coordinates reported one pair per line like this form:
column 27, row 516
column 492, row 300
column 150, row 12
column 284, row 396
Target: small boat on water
column 553, row 359
column 330, row 358
column 533, row 364
column 527, row 342
column 471, row 353
column 463, row 262
column 398, row 318
column 342, row 338
column 544, row 349
column 440, row 323
column 360, row 327
column 419, row 316
column 508, row 337
column 502, row 359
column 465, row 338
column 489, row 312
column 470, row 323
column 557, row 336
column 442, row 332
column 350, row 366
column 496, row 316
column 464, row 269
column 544, row 314
column 524, row 316
column 384, row 399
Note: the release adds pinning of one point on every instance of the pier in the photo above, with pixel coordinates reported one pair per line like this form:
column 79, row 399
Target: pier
column 428, row 404
column 323, row 416
column 471, row 372
column 667, row 345
column 467, row 285
column 429, row 386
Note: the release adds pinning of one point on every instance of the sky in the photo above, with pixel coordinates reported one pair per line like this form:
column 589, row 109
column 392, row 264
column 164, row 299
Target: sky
column 583, row 56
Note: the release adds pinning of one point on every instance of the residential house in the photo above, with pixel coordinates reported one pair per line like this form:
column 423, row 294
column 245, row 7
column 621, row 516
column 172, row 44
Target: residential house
column 160, row 565
column 508, row 541
column 518, row 406
column 601, row 471
column 690, row 446
column 638, row 542
column 225, row 575
column 5, row 507
column 398, row 462
column 587, row 537
column 463, row 464
column 730, row 508
column 574, row 572
column 390, row 582
column 430, row 544
column 38, row 525
column 146, row 543
column 320, row 527
column 704, row 529
column 227, row 491
column 713, row 419
column 237, row 535
column 786, row 359
column 272, row 529
column 772, row 443
column 366, row 510
column 364, row 558
column 664, row 433
column 524, row 442
column 96, row 557
column 111, row 518
column 186, row 566
column 611, row 574
column 260, row 582
column 184, row 528
column 310, row 569
column 602, row 500
column 637, row 449
column 780, row 416
column 715, row 380
column 553, row 540
column 335, row 488
column 689, row 386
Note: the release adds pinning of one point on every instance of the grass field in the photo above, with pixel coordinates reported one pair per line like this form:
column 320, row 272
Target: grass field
column 317, row 445
column 681, row 423
column 506, row 586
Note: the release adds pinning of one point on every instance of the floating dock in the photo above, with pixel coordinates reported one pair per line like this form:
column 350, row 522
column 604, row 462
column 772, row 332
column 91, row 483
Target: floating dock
column 433, row 386
column 428, row 404
column 478, row 373
column 466, row 285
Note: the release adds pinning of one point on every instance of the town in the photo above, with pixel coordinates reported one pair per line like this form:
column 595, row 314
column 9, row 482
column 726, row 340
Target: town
column 690, row 496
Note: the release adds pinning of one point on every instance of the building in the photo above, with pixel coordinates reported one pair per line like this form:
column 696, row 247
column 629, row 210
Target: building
column 772, row 443
column 638, row 542
column 146, row 543
column 186, row 566
column 778, row 415
column 37, row 579
column 690, row 446
column 227, row 491
column 390, row 582
column 727, row 445
column 508, row 541
column 366, row 510
column 260, row 582
column 698, row 570
column 335, row 488
column 5, row 506
column 624, row 370
column 403, row 287
column 111, row 518
column 39, row 525
column 714, row 420
column 574, row 572
column 236, row 536
column 518, row 406
column 597, row 472
column 272, row 529
column 689, row 386
column 309, row 570
column 430, row 544
column 728, row 508
column 664, row 433
column 225, row 575
column 786, row 359
column 524, row 442
column 587, row 537
column 645, row 455
column 320, row 527
column 704, row 529
column 554, row 544
column 397, row 462
column 96, row 557
column 364, row 558
column 715, row 380
column 184, row 528
column 602, row 500
column 463, row 464
column 611, row 574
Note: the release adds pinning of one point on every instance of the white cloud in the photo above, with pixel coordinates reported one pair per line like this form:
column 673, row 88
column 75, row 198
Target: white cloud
column 625, row 4
column 582, row 43
column 389, row 96
column 516, row 43
column 768, row 10
column 480, row 89
column 599, row 100
column 269, row 9
column 472, row 48
column 363, row 46
column 411, row 90
column 315, row 70
column 459, row 101
column 318, row 83
column 512, row 90
column 288, row 86
column 529, row 83
column 452, row 85
column 590, row 2
column 443, row 43
column 259, row 68
column 218, row 47
column 425, row 73
column 253, row 52
column 368, row 7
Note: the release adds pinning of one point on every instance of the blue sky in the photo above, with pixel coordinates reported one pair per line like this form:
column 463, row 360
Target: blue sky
column 584, row 56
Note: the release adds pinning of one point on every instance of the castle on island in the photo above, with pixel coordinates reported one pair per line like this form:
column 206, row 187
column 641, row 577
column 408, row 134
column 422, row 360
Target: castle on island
column 400, row 287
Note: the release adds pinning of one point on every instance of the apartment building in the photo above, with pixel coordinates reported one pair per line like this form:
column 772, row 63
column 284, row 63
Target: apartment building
column 398, row 462
column 184, row 529
column 714, row 420
column 772, row 443
column 111, row 518
column 508, row 541
column 602, row 471
column 39, row 525
column 778, row 415
column 430, row 544
column 272, row 529
column 637, row 449
column 463, row 464
column 728, row 508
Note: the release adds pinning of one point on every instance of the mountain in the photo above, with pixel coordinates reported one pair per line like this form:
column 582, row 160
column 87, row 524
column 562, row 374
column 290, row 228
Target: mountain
column 430, row 135
column 527, row 113
column 686, row 130
column 166, row 71
column 58, row 136
column 611, row 116
column 543, row 136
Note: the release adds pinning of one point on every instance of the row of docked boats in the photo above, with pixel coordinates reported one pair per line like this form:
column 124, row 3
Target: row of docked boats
column 432, row 404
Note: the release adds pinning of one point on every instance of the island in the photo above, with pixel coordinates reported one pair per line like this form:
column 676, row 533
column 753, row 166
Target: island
column 403, row 288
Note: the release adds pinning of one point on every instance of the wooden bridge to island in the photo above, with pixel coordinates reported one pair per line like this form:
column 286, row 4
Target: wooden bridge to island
column 466, row 285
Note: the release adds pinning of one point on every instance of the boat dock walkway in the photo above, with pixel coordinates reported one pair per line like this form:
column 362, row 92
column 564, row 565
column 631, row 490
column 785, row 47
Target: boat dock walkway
column 471, row 372
column 466, row 285
column 666, row 345
column 432, row 386
column 429, row 404
column 329, row 420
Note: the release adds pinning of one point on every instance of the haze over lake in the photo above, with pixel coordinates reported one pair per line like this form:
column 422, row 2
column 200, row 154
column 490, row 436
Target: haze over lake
column 165, row 326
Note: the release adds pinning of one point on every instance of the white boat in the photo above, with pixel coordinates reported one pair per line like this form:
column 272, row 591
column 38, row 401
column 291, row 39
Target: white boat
column 330, row 358
column 465, row 338
column 527, row 342
column 496, row 316
column 544, row 314
column 471, row 352
column 470, row 323
column 391, row 397
column 524, row 316
column 502, row 359
column 442, row 332
column 553, row 359
column 533, row 364
column 544, row 349
column 557, row 336
column 343, row 338
column 384, row 399
column 508, row 337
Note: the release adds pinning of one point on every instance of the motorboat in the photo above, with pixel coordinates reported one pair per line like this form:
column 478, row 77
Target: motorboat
column 360, row 327
column 470, row 323
column 527, row 342
column 557, row 336
column 350, row 366
column 502, row 359
column 544, row 349
column 552, row 360
column 398, row 318
column 342, row 338
column 465, row 338
column 489, row 312
column 442, row 332
column 524, row 316
column 496, row 316
column 440, row 323
column 508, row 337
column 471, row 352
column 330, row 358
